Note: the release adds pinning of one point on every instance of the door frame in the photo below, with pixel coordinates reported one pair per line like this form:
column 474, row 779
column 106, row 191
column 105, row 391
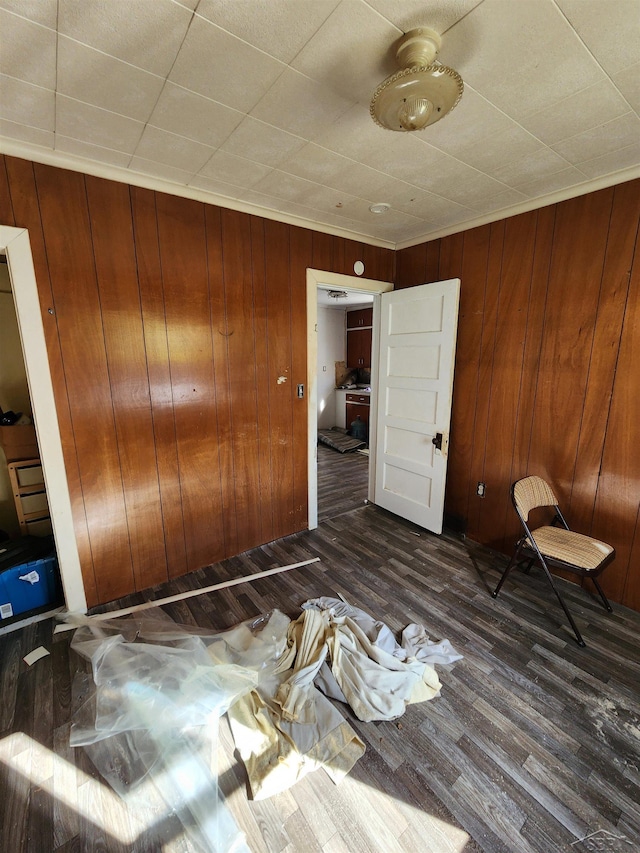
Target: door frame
column 336, row 281
column 15, row 245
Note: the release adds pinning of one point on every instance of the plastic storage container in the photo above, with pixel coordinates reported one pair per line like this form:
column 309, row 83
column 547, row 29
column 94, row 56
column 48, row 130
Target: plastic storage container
column 28, row 576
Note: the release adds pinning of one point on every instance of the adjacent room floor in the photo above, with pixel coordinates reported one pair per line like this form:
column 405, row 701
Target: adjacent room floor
column 533, row 744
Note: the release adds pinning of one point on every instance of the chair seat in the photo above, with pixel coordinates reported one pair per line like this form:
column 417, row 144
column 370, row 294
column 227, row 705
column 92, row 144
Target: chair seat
column 575, row 548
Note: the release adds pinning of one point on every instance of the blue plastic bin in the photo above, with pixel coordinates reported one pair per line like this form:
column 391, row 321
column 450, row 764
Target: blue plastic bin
column 21, row 591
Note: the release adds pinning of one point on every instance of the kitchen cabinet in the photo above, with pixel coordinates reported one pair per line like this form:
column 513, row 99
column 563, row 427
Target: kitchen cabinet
column 357, row 404
column 360, row 318
column 359, row 348
column 359, row 327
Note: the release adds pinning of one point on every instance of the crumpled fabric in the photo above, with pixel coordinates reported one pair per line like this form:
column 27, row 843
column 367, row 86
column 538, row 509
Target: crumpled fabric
column 369, row 670
column 285, row 727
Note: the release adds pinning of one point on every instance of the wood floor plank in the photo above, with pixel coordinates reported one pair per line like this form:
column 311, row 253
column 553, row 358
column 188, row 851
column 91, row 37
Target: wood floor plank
column 531, row 747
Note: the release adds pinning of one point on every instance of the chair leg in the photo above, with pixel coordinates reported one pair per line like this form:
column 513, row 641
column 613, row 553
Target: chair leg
column 512, row 563
column 602, row 595
column 579, row 639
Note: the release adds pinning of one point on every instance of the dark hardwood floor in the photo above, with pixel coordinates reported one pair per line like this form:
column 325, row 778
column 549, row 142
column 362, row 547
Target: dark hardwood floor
column 342, row 482
column 533, row 744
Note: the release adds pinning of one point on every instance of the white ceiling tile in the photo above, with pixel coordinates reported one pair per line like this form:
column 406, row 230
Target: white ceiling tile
column 404, row 156
column 359, row 180
column 26, row 104
column 473, row 120
column 43, row 12
column 100, row 127
column 466, row 186
column 235, row 170
column 542, row 186
column 419, row 203
column 615, row 161
column 489, row 154
column 628, row 82
column 183, row 112
column 172, row 150
column 608, row 43
column 260, row 199
column 220, row 66
column 88, row 151
column 540, row 164
column 188, row 4
column 146, row 37
column 331, row 59
column 215, row 185
column 36, row 63
column 354, row 134
column 522, row 56
column 299, row 105
column 584, row 110
column 438, row 15
column 160, row 170
column 289, row 187
column 261, row 142
column 612, row 136
column 279, row 27
column 95, row 78
column 315, row 164
column 23, row 133
column 501, row 201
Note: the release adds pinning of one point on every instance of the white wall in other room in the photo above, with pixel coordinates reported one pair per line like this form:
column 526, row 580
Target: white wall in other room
column 331, row 348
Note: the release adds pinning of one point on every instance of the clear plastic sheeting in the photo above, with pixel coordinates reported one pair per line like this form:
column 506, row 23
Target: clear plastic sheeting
column 149, row 721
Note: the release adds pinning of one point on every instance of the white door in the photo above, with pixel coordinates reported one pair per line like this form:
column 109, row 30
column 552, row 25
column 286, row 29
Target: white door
column 415, row 378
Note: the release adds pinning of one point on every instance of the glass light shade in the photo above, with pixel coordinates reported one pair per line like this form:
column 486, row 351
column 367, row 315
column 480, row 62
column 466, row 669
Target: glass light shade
column 415, row 98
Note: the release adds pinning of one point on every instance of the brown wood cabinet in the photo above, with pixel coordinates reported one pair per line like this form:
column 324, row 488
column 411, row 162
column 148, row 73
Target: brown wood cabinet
column 359, row 348
column 358, row 404
column 361, row 317
column 359, row 324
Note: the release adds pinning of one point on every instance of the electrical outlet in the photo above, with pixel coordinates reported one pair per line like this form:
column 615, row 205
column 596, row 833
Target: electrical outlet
column 481, row 490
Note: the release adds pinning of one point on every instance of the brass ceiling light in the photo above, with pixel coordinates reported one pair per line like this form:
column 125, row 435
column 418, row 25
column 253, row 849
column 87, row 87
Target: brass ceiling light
column 420, row 93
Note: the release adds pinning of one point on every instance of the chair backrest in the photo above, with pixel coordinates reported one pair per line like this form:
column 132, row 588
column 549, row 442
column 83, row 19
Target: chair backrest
column 530, row 493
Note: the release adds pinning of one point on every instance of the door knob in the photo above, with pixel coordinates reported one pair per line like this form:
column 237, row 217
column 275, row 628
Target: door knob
column 437, row 441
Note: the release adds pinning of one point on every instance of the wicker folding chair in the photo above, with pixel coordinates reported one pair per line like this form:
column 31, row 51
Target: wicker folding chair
column 555, row 546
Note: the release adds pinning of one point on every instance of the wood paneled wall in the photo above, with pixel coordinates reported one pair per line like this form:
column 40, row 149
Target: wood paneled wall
column 171, row 324
column 547, row 377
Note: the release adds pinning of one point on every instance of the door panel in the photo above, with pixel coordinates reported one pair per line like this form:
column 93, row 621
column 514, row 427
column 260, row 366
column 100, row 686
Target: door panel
column 415, row 377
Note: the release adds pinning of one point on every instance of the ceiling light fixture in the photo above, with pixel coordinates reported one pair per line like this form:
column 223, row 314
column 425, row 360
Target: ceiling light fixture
column 380, row 207
column 420, row 93
column 337, row 294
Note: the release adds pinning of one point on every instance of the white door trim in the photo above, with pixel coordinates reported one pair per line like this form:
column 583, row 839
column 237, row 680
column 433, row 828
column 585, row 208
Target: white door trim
column 14, row 243
column 316, row 278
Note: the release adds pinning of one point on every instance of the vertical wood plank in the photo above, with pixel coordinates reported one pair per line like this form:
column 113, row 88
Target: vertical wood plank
column 472, row 271
column 278, row 287
column 616, row 510
column 6, row 207
column 616, row 276
column 261, row 342
column 112, row 230
column 219, row 341
column 25, row 203
column 411, row 266
column 481, row 435
column 182, row 240
column 300, row 252
column 574, row 284
column 239, row 307
column 508, row 354
column 322, row 251
column 62, row 199
column 157, row 354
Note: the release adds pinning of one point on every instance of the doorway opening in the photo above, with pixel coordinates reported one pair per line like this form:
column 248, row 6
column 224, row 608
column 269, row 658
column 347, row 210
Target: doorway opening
column 326, row 401
column 16, row 249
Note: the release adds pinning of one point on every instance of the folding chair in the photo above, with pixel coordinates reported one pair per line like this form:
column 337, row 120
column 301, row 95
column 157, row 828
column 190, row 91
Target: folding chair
column 555, row 546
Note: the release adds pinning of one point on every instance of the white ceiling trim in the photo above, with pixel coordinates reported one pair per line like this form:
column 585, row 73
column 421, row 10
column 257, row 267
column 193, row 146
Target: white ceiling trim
column 27, row 151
